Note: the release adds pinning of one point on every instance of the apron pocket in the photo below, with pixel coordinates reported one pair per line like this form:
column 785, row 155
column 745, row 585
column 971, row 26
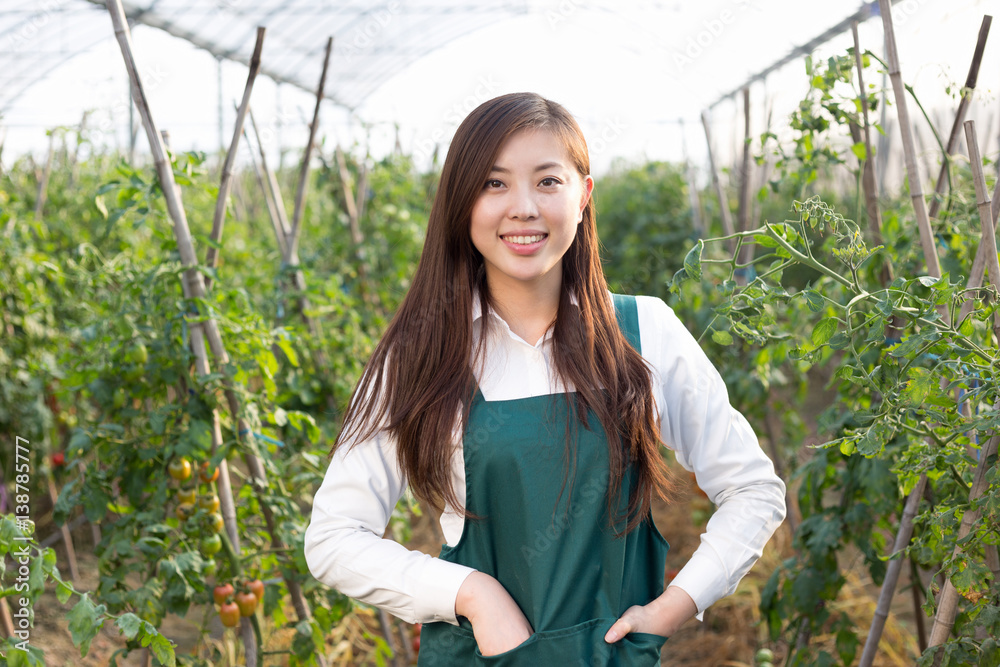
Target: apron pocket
column 580, row 645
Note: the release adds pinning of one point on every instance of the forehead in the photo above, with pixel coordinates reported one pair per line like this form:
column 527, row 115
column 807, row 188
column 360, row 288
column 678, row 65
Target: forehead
column 534, row 145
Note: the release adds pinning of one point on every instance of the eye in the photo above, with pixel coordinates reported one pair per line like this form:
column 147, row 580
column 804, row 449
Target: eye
column 493, row 184
column 550, row 181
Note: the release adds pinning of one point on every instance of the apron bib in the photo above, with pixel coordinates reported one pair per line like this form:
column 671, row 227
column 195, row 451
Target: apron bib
column 544, row 533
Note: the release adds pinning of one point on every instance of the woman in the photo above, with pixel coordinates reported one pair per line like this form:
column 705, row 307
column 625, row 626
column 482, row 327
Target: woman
column 514, row 393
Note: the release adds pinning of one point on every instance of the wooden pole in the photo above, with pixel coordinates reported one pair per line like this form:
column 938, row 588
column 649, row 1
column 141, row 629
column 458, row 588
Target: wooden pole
column 272, row 212
column 300, row 193
column 219, row 219
column 970, row 85
column 947, row 608
column 274, row 188
column 869, row 182
column 724, row 212
column 909, row 151
column 194, row 287
column 978, row 271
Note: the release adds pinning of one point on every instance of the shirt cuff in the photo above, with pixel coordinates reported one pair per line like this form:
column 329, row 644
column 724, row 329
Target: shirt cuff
column 702, row 579
column 437, row 589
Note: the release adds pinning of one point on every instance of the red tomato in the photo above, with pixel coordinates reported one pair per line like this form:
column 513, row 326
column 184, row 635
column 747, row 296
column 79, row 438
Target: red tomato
column 58, row 459
column 207, row 475
column 220, row 593
column 230, row 614
column 247, row 602
column 257, row 588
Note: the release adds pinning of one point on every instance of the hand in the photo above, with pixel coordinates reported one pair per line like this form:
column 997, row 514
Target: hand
column 497, row 622
column 663, row 616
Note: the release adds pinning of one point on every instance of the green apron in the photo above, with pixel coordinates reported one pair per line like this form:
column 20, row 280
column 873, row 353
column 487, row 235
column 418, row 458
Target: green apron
column 544, row 534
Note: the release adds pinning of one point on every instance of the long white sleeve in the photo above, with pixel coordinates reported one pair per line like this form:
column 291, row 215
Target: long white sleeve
column 344, row 547
column 712, row 439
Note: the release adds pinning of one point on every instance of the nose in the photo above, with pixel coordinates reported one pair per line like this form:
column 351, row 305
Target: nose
column 522, row 205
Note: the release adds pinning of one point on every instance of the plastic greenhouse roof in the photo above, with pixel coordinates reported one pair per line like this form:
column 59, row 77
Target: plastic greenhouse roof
column 654, row 61
column 373, row 40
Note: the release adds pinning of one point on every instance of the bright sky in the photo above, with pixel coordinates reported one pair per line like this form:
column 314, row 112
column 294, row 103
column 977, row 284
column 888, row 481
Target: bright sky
column 629, row 78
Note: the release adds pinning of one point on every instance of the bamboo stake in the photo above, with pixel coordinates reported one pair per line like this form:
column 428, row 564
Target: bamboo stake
column 74, row 159
column 869, row 182
column 933, row 267
column 43, row 183
column 978, row 271
column 194, row 287
column 724, row 212
column 947, row 609
column 272, row 212
column 74, row 568
column 909, row 151
column 218, row 221
column 970, row 85
column 357, row 238
column 6, row 620
column 743, row 211
column 274, row 188
column 300, row 193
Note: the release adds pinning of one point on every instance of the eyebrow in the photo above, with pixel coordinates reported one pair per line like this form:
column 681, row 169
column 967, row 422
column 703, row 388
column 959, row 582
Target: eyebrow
column 541, row 167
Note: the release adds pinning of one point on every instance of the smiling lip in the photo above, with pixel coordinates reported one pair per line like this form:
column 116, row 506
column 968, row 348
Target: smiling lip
column 526, row 242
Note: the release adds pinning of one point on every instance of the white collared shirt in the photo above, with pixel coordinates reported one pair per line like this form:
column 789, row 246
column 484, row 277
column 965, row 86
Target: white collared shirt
column 344, row 545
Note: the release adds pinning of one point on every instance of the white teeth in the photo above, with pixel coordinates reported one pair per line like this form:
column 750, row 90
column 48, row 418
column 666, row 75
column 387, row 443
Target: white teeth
column 525, row 240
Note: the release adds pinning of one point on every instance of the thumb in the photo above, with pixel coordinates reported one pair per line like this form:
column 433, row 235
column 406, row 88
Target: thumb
column 621, row 628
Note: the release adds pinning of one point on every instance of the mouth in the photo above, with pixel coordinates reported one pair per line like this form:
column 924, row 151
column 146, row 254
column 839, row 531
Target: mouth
column 524, row 239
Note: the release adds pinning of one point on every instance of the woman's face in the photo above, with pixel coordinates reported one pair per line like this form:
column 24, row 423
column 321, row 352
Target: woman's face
column 527, row 213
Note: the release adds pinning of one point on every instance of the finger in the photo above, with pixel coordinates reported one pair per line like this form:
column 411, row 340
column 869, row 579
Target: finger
column 621, row 628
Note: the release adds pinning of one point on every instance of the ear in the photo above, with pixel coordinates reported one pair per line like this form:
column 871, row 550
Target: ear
column 588, row 189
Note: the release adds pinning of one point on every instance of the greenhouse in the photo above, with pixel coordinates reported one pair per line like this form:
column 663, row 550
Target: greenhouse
column 247, row 418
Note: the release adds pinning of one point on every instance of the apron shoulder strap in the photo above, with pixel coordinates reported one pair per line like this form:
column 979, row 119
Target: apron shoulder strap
column 628, row 319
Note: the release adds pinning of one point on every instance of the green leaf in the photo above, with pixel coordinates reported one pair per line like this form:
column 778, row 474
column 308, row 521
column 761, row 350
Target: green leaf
column 692, row 261
column 158, row 645
column 859, row 150
column 824, row 331
column 129, row 625
column 286, row 347
column 63, row 592
column 722, row 337
column 814, row 300
column 85, row 621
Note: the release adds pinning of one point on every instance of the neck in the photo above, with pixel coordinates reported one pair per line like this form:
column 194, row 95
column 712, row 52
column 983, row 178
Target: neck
column 527, row 308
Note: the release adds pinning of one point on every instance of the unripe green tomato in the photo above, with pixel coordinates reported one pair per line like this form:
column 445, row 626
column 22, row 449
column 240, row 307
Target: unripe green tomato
column 180, row 468
column 209, row 502
column 215, row 523
column 210, row 545
column 187, row 495
column 764, row 655
column 209, row 568
column 137, row 354
column 119, row 398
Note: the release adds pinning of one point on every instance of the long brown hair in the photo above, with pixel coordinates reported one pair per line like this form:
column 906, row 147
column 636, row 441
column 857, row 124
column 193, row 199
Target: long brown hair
column 419, row 378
